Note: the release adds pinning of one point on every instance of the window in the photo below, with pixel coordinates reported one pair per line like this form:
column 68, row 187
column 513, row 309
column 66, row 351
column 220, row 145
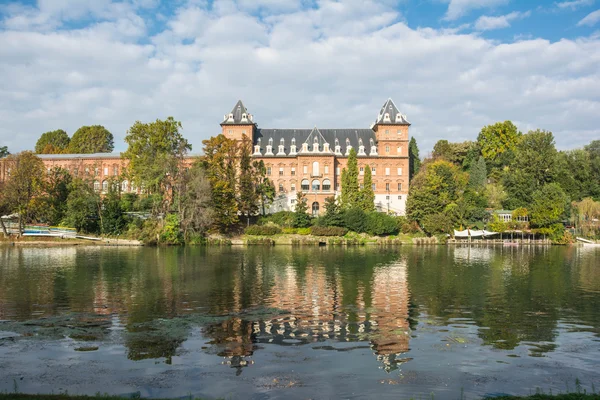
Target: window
column 293, row 187
column 326, row 185
column 96, row 186
column 362, row 170
column 305, row 169
column 293, row 201
column 76, row 171
column 115, row 170
column 399, row 171
column 293, row 171
column 315, row 168
column 124, row 186
column 337, row 186
column 387, row 171
column 399, row 197
column 399, row 187
column 281, row 188
column 399, row 132
column 399, row 149
column 305, row 186
column 387, row 149
column 105, row 171
column 327, row 170
column 104, row 186
column 362, row 186
column 337, row 171
column 387, row 197
column 316, row 185
column 96, row 171
column 268, row 170
column 373, row 187
column 387, row 187
column 243, row 132
column 387, row 131
column 280, row 171
column 87, row 171
column 373, row 171
column 315, row 209
column 231, row 132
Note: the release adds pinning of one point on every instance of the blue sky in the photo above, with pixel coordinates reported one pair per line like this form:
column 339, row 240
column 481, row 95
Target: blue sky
column 452, row 66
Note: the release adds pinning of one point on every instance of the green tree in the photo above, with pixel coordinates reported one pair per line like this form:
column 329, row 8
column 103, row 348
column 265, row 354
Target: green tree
column 442, row 149
column 264, row 186
column 220, row 164
column 496, row 224
column 332, row 216
column 437, row 223
column 57, row 187
column 549, row 205
column 301, row 218
column 4, row 206
column 414, row 162
column 91, row 139
column 248, row 196
column 496, row 195
column 350, row 188
column 366, row 194
column 593, row 149
column 156, row 153
column 83, row 206
column 4, row 151
column 25, row 185
column 52, row 142
column 111, row 213
column 497, row 139
column 437, row 184
column 533, row 166
column 478, row 175
column 197, row 213
column 574, row 174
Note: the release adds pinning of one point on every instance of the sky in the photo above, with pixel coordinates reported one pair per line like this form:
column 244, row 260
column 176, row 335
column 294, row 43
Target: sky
column 452, row 66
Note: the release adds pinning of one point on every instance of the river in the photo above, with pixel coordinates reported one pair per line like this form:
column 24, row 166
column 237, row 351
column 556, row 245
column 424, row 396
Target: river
column 300, row 322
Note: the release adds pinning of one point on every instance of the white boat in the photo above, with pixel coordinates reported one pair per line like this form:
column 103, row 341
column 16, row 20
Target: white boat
column 587, row 243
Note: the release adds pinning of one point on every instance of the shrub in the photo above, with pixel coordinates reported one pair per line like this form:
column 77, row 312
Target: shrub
column 408, row 227
column 171, row 233
column 328, row 231
column 289, row 231
column 303, row 231
column 263, row 230
column 437, row 223
column 381, row 224
column 285, row 219
column 355, row 220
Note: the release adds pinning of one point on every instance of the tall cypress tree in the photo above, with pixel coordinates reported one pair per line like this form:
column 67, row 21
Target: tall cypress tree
column 248, row 196
column 414, row 162
column 478, row 175
column 367, row 196
column 350, row 188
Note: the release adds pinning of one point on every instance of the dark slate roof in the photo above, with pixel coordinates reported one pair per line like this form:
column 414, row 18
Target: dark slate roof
column 78, row 156
column 395, row 116
column 309, row 135
column 238, row 110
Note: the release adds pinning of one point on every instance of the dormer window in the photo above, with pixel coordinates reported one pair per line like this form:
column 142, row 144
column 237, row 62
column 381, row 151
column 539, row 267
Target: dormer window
column 398, row 117
column 244, row 117
column 305, row 147
column 294, row 141
column 292, row 149
column 270, row 141
column 386, row 117
column 257, row 150
column 230, row 117
column 326, row 147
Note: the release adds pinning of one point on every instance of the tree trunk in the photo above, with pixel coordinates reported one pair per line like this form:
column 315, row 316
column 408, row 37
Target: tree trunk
column 4, row 230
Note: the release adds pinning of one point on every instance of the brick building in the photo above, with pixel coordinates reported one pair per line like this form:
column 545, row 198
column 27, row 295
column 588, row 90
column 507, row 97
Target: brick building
column 310, row 160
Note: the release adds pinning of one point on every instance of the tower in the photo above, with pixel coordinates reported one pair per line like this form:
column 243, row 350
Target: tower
column 391, row 131
column 238, row 123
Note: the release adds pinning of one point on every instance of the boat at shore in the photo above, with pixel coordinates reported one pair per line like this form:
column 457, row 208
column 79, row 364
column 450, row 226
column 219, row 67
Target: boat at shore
column 587, row 243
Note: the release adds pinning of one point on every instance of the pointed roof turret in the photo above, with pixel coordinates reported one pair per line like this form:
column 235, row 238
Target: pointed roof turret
column 239, row 115
column 390, row 115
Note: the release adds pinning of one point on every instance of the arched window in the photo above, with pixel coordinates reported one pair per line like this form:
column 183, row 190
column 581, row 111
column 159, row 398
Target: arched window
column 281, row 188
column 124, row 186
column 315, row 209
column 315, row 168
column 96, row 186
column 305, row 186
column 104, row 186
column 316, row 185
column 326, row 185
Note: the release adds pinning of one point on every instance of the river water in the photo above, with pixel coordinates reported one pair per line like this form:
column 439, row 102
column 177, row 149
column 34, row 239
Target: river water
column 300, row 322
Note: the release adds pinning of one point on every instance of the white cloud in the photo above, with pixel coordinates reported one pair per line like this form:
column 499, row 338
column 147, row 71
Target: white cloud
column 486, row 23
column 459, row 8
column 590, row 19
column 330, row 66
column 574, row 4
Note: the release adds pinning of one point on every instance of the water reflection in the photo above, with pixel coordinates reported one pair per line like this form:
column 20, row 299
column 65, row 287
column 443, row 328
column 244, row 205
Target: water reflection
column 331, row 299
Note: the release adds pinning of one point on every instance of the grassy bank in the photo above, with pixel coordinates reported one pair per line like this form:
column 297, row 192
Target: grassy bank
column 350, row 239
column 21, row 396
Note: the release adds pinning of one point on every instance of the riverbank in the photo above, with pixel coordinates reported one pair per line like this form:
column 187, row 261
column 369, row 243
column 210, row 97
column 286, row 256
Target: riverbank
column 64, row 396
column 58, row 241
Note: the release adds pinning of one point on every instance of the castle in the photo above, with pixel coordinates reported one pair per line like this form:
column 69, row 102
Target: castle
column 310, row 160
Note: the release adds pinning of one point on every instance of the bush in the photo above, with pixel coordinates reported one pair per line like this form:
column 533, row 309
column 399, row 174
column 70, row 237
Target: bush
column 171, row 232
column 381, row 224
column 303, row 231
column 263, row 230
column 285, row 219
column 289, row 231
column 328, row 231
column 408, row 227
column 355, row 220
column 437, row 223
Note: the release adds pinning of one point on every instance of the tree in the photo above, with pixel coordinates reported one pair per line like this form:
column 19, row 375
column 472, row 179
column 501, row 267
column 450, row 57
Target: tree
column 442, row 149
column 197, row 213
column 478, row 175
column 366, row 195
column 350, row 188
column 156, row 152
column 56, row 190
column 52, row 142
column 25, row 184
column 4, row 151
column 414, row 162
column 83, row 206
column 248, row 196
column 497, row 225
column 437, row 184
column 548, row 206
column 111, row 212
column 91, row 139
column 301, row 218
column 495, row 194
column 497, row 139
column 264, row 187
column 4, row 206
column 593, row 149
column 220, row 165
column 533, row 166
column 332, row 216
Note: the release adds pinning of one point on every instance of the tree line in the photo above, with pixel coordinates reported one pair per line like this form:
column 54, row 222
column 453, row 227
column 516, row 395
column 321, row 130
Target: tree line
column 85, row 140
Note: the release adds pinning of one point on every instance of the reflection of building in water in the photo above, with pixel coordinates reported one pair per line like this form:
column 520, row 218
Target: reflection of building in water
column 318, row 310
column 471, row 253
column 389, row 321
